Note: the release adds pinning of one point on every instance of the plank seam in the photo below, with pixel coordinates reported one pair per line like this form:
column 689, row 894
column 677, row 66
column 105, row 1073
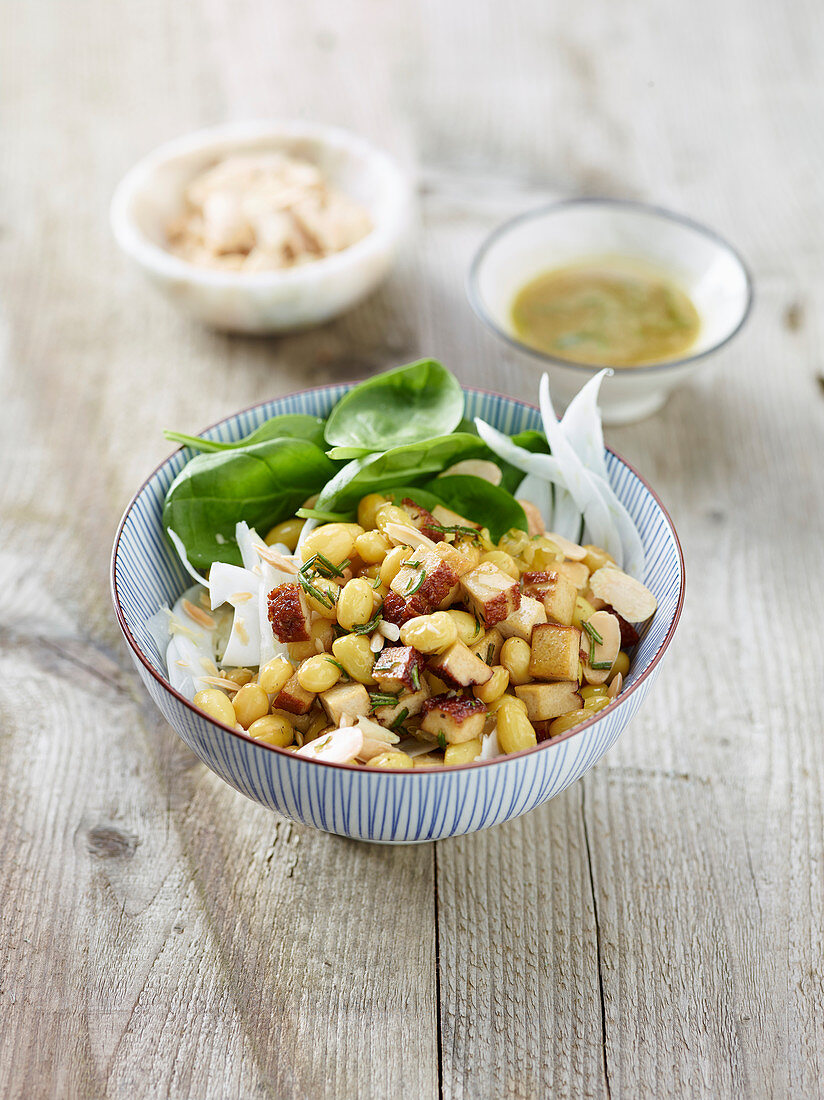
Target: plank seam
column 604, row 1061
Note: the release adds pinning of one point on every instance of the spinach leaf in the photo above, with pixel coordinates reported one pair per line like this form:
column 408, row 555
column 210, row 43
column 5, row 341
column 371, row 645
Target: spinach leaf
column 288, row 425
column 424, row 497
column 490, row 505
column 406, row 465
column 399, row 407
column 262, row 483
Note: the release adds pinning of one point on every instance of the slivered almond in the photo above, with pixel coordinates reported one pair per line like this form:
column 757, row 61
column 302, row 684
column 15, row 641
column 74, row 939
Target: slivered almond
column 632, row 600
column 376, row 642
column 569, row 549
column 403, row 535
column 240, row 597
column 606, row 626
column 534, row 519
column 390, row 631
column 274, row 557
column 220, row 682
column 476, row 467
column 198, row 614
column 615, row 685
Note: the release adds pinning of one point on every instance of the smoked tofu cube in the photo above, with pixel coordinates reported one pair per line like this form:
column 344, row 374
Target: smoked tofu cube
column 434, row 576
column 423, row 520
column 488, row 648
column 289, row 613
column 453, row 718
column 575, row 572
column 520, row 623
column 398, row 668
column 410, row 701
column 493, row 594
column 459, row 667
column 397, row 610
column 555, row 652
column 556, row 592
column 350, row 699
column 294, row 698
column 547, row 701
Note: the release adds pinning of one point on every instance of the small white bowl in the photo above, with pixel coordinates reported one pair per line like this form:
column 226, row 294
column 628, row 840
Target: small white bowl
column 151, row 194
column 709, row 270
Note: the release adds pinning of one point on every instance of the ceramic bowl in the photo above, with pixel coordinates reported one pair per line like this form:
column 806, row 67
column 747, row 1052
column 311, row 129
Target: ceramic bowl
column 150, row 195
column 709, row 270
column 401, row 806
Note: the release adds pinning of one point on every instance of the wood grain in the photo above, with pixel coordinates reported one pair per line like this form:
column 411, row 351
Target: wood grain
column 656, row 930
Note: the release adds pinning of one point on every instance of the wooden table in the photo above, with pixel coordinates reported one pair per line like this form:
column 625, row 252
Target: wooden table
column 655, row 931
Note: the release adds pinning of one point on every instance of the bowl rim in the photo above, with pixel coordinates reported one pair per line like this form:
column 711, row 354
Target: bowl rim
column 575, row 731
column 143, row 250
column 648, row 209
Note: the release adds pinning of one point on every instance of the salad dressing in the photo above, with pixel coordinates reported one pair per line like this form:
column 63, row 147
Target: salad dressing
column 611, row 311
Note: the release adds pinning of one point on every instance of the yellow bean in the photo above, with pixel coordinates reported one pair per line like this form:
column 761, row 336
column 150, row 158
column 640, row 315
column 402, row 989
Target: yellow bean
column 515, row 731
column 469, row 548
column 318, row 726
column 318, row 673
column 286, row 533
column 393, row 562
column 592, row 706
column 594, row 691
column 596, row 558
column 583, row 612
column 430, row 633
column 621, row 664
column 250, row 703
column 239, row 676
column 436, row 684
column 336, row 541
column 274, row 674
column 515, row 657
column 355, row 603
column 566, row 722
column 506, row 700
column 273, row 729
column 469, row 628
column 323, row 633
column 353, row 652
column 515, row 543
column 299, row 651
column 391, row 513
column 391, row 760
column 367, row 510
column 495, row 687
column 546, row 553
column 372, row 547
column 505, row 562
column 327, row 606
column 217, row 705
column 463, row 753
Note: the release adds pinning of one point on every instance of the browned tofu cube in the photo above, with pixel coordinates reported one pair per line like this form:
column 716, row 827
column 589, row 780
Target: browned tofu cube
column 431, row 575
column 556, row 592
column 289, row 613
column 575, row 572
column 398, row 610
column 398, row 668
column 458, row 667
column 547, row 701
column 294, row 698
column 519, row 623
column 408, row 705
column 488, row 648
column 350, row 699
column 493, row 594
column 555, row 652
column 453, row 718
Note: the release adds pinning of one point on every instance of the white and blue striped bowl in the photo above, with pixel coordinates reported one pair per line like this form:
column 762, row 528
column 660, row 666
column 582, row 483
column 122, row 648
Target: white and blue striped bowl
column 401, row 806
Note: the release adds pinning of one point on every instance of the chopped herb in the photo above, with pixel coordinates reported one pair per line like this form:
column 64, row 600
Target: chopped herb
column 416, row 584
column 337, row 664
column 490, row 653
column 401, row 718
column 597, row 665
column 454, row 529
column 383, row 698
column 593, row 633
column 324, row 598
column 442, row 741
column 376, row 583
column 333, row 570
column 415, row 677
column 367, row 628
column 478, row 627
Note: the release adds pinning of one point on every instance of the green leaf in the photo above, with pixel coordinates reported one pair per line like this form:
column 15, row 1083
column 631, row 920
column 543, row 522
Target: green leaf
column 424, row 497
column 490, row 505
column 398, row 466
column 407, row 405
column 262, row 484
column 288, row 426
